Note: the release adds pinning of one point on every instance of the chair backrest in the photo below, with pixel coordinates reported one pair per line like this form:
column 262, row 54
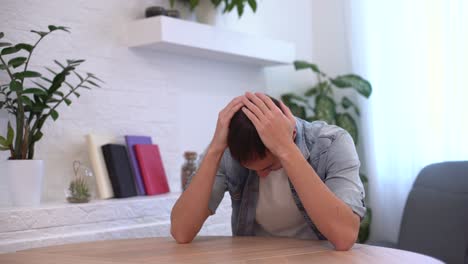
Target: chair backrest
column 435, row 219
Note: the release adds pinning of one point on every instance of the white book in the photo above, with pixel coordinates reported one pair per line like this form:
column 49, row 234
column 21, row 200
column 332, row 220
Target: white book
column 103, row 183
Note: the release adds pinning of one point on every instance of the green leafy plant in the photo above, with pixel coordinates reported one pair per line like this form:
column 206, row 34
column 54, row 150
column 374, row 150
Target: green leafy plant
column 229, row 5
column 79, row 191
column 32, row 97
column 326, row 107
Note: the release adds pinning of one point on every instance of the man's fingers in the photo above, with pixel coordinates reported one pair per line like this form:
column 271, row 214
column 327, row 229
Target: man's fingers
column 268, row 102
column 252, row 107
column 257, row 101
column 234, row 109
column 251, row 116
column 233, row 102
column 287, row 112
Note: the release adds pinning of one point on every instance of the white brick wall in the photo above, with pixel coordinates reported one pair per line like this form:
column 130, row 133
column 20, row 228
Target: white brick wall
column 174, row 99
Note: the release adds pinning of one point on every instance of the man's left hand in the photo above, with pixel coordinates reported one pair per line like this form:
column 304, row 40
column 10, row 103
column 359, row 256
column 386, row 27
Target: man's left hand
column 275, row 127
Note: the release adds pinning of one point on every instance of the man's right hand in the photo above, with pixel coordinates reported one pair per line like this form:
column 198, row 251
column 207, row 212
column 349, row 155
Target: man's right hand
column 219, row 141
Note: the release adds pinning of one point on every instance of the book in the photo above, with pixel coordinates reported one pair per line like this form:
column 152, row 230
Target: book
column 131, row 141
column 103, row 184
column 120, row 173
column 151, row 168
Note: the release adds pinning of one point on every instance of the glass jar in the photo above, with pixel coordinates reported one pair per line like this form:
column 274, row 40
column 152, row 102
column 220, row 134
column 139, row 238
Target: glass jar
column 189, row 167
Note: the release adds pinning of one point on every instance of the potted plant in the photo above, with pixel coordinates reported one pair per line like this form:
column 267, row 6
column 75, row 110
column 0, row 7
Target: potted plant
column 207, row 12
column 31, row 99
column 327, row 108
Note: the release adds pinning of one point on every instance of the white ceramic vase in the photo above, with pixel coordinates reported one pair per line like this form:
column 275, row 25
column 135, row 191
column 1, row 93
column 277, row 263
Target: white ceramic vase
column 25, row 181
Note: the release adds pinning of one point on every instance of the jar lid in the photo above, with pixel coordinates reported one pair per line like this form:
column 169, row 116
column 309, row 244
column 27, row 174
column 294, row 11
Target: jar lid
column 190, row 155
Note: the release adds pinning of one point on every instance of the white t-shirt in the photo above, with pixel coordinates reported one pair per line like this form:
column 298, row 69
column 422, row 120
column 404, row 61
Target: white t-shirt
column 277, row 213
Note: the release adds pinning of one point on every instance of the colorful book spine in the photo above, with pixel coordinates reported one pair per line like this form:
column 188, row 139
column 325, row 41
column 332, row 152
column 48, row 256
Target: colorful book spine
column 152, row 169
column 132, row 141
column 120, row 173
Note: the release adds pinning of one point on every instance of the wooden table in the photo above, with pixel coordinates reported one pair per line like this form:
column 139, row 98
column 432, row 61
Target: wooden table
column 211, row 250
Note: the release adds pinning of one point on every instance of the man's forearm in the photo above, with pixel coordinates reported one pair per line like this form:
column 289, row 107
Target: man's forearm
column 331, row 215
column 190, row 210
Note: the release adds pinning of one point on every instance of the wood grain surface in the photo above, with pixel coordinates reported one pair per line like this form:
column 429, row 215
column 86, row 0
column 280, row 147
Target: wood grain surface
column 252, row 250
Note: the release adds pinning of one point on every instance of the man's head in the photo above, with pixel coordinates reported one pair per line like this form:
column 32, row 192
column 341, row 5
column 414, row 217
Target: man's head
column 246, row 146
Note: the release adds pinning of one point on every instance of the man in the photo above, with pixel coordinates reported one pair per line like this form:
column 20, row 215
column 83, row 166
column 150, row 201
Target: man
column 286, row 177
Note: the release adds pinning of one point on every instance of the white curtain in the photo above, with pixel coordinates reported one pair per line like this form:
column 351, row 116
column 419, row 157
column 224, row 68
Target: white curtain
column 415, row 53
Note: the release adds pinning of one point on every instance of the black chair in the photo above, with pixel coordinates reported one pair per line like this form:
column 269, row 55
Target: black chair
column 435, row 219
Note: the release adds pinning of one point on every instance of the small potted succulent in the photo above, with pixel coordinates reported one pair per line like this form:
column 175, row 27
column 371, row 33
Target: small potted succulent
column 78, row 190
column 32, row 98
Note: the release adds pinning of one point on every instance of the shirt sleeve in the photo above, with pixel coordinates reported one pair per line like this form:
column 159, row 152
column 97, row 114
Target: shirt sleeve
column 343, row 173
column 219, row 185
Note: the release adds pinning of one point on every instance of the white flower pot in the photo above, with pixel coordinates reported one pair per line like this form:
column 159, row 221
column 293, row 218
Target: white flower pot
column 25, row 181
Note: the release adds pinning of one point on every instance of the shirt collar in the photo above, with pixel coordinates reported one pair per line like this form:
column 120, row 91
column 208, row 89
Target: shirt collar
column 300, row 138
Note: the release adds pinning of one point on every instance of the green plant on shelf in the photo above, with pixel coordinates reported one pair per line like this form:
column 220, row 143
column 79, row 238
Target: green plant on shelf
column 229, row 5
column 319, row 103
column 32, row 97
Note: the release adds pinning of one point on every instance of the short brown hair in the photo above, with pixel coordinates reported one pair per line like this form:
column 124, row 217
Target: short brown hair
column 243, row 140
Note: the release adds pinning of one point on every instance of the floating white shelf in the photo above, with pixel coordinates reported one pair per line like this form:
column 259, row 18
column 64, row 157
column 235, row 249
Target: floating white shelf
column 190, row 38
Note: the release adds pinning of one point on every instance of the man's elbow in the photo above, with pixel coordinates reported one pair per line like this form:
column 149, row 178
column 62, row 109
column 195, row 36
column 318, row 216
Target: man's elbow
column 181, row 237
column 345, row 242
column 343, row 245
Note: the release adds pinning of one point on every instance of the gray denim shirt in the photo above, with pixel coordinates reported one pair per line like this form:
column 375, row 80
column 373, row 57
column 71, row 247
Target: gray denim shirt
column 329, row 150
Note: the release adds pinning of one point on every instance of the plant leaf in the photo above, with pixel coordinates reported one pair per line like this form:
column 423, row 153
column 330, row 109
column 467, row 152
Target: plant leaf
column 240, row 8
column 214, row 2
column 51, row 71
column 93, row 83
column 16, row 62
column 290, row 96
column 40, row 85
column 346, row 103
column 15, row 86
column 193, row 4
column 90, row 75
column 363, row 177
column 46, row 79
column 59, row 64
column 325, row 109
column 67, row 101
column 347, row 122
column 79, row 76
column 2, row 35
column 75, row 62
column 25, row 46
column 26, row 74
column 37, row 136
column 311, row 92
column 300, row 65
column 77, row 94
column 54, row 114
column 10, row 134
column 40, row 33
column 253, row 5
column 356, row 82
column 36, row 91
column 26, row 100
column 9, row 50
column 296, row 109
column 3, row 141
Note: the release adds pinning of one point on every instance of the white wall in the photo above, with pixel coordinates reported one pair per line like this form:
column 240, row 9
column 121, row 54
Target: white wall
column 173, row 98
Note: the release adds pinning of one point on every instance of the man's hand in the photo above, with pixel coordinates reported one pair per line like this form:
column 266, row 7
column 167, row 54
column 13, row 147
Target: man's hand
column 274, row 128
column 219, row 141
